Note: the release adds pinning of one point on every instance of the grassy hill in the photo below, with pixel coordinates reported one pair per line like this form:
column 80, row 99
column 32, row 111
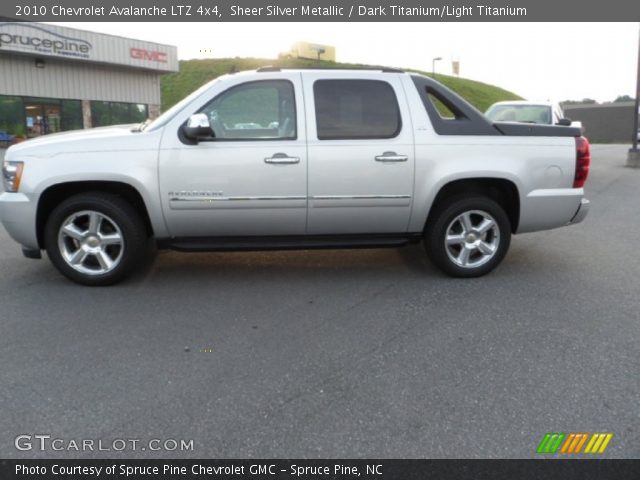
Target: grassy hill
column 194, row 73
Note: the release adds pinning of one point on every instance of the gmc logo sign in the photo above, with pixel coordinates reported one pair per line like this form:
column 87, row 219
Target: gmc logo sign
column 150, row 55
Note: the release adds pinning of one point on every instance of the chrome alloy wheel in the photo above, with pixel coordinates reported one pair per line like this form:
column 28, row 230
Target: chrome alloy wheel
column 90, row 242
column 472, row 239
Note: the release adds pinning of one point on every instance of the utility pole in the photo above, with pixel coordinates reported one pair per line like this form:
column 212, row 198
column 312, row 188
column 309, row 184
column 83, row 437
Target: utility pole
column 633, row 160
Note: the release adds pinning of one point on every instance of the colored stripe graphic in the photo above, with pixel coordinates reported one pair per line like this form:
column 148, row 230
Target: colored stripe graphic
column 598, row 443
column 568, row 443
column 573, row 442
column 550, row 442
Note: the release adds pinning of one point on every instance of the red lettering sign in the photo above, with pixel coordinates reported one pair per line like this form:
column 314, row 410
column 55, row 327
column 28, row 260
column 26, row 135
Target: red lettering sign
column 149, row 55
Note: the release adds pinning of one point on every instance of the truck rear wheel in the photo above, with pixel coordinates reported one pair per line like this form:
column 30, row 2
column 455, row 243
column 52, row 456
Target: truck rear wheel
column 468, row 236
column 95, row 238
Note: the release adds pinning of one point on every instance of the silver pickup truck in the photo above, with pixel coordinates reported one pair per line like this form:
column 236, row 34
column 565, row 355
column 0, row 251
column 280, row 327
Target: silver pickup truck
column 285, row 159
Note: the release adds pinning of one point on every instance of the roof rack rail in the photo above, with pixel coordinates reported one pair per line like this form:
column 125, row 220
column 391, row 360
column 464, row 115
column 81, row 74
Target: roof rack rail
column 272, row 68
column 268, row 68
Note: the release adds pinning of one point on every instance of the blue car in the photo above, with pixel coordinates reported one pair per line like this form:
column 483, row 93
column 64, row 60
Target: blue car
column 6, row 139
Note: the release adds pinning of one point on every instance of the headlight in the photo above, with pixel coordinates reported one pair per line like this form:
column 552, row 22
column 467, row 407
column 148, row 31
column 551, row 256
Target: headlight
column 11, row 175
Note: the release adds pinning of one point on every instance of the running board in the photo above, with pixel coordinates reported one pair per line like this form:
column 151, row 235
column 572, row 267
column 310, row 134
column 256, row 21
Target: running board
column 297, row 242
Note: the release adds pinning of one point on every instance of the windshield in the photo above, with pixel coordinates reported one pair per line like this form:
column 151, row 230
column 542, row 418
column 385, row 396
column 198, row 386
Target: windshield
column 169, row 114
column 520, row 113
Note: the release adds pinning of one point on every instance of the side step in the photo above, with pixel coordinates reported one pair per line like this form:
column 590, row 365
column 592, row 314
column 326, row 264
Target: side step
column 236, row 244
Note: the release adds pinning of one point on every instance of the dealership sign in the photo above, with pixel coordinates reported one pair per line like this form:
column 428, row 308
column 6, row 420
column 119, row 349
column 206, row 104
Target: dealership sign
column 30, row 38
column 150, row 55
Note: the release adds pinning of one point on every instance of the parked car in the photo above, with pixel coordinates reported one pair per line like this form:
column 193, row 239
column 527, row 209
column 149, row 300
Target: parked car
column 543, row 113
column 348, row 158
column 6, row 139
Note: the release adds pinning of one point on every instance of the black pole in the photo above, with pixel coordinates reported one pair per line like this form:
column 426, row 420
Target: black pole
column 637, row 105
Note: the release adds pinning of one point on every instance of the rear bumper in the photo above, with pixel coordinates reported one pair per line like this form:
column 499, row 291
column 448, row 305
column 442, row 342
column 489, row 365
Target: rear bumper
column 545, row 209
column 582, row 212
column 17, row 214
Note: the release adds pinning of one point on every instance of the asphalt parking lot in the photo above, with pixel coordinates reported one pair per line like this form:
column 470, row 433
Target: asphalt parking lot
column 369, row 353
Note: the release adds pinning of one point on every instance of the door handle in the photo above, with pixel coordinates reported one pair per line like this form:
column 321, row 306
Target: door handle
column 282, row 158
column 391, row 157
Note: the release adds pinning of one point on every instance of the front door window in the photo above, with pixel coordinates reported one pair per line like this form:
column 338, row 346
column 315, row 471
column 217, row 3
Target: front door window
column 262, row 110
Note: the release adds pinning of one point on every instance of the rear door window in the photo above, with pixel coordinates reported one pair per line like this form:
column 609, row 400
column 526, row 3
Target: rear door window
column 356, row 109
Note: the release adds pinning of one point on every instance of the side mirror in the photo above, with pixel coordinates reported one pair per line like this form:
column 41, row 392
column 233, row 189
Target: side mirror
column 565, row 122
column 198, row 127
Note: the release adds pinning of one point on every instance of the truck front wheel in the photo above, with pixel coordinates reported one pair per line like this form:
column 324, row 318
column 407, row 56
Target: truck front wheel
column 468, row 235
column 95, row 238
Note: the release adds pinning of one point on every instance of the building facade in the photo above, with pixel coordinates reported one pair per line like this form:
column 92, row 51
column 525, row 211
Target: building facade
column 312, row 51
column 604, row 123
column 55, row 78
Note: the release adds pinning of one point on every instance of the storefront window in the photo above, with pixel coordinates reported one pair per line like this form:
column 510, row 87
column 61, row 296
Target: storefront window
column 42, row 116
column 12, row 116
column 100, row 114
column 115, row 113
column 31, row 117
column 120, row 113
column 71, row 115
column 139, row 112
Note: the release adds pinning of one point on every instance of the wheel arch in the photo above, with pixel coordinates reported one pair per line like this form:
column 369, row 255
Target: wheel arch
column 504, row 191
column 54, row 194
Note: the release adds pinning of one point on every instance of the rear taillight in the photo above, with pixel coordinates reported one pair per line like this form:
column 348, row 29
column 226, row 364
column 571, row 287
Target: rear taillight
column 583, row 160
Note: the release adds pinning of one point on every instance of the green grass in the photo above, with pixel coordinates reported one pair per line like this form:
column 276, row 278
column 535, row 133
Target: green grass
column 194, row 73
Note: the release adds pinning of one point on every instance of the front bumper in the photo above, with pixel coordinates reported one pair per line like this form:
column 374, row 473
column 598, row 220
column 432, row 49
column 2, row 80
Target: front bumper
column 18, row 215
column 582, row 212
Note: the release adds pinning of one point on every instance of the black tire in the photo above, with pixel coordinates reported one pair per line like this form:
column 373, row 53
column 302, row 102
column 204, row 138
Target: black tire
column 449, row 211
column 112, row 210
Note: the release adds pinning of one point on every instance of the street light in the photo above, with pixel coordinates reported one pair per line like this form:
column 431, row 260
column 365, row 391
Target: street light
column 633, row 160
column 433, row 65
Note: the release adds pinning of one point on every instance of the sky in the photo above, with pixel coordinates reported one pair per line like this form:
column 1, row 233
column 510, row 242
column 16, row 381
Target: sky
column 538, row 61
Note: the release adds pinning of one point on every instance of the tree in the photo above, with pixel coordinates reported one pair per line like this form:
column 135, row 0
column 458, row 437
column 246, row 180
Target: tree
column 588, row 101
column 624, row 98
